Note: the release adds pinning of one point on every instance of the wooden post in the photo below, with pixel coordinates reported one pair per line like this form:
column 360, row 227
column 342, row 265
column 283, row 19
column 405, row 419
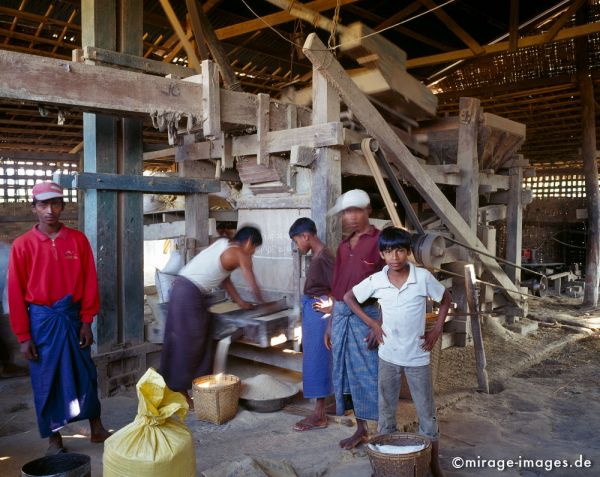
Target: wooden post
column 590, row 168
column 196, row 209
column 98, row 28
column 514, row 223
column 467, row 202
column 130, row 205
column 326, row 184
column 473, row 299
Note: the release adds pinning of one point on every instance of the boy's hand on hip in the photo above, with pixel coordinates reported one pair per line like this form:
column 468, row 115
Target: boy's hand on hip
column 431, row 338
column 375, row 336
column 29, row 350
column 86, row 338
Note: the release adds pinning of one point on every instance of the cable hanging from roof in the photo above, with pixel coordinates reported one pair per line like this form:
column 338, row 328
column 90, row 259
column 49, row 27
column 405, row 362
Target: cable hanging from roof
column 335, row 47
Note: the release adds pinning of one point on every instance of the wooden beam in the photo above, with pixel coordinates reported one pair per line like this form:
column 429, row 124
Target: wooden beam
column 514, row 224
column 135, row 62
column 590, row 168
column 399, row 15
column 45, row 80
column 376, row 125
column 275, row 19
column 500, row 47
column 262, row 129
column 563, row 19
column 211, row 100
column 371, row 50
column 300, row 11
column 35, row 156
column 454, row 27
column 326, row 177
column 187, row 46
column 319, row 135
column 136, row 183
column 513, row 31
column 55, row 80
column 203, row 32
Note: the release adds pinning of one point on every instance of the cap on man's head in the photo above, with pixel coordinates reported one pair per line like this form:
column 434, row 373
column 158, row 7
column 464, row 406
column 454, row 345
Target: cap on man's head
column 353, row 198
column 46, row 191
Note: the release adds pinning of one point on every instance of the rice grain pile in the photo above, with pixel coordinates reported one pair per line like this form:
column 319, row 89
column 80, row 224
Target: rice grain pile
column 263, row 387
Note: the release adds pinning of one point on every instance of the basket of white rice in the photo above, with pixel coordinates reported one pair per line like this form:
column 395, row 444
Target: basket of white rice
column 399, row 454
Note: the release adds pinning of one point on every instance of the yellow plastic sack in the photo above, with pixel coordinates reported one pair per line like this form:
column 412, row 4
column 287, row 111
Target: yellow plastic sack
column 157, row 443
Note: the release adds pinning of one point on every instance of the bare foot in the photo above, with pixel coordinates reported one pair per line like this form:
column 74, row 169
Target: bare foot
column 311, row 422
column 97, row 431
column 359, row 437
column 55, row 444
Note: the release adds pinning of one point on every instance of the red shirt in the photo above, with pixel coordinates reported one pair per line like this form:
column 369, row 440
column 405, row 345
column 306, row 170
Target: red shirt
column 352, row 266
column 42, row 271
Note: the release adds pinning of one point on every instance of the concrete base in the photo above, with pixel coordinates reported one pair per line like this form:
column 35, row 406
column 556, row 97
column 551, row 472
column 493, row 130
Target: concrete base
column 523, row 327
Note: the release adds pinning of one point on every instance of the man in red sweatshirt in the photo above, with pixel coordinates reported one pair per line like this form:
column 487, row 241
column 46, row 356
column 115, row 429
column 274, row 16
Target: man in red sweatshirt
column 53, row 297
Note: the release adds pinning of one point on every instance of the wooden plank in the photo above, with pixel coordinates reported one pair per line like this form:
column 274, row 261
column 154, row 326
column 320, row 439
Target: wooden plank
column 38, row 156
column 203, row 32
column 374, row 123
column 504, row 124
column 135, row 62
column 500, row 47
column 130, row 204
column 164, row 230
column 160, row 154
column 211, row 100
column 480, row 359
column 147, row 184
column 262, row 129
column 319, row 135
column 326, row 179
column 374, row 50
column 187, row 46
column 490, row 213
column 45, row 80
column 302, row 156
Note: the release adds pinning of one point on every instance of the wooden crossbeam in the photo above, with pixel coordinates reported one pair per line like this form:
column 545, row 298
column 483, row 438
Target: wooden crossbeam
column 500, row 47
column 379, row 129
column 300, row 11
column 45, row 80
column 18, row 155
column 136, row 183
column 275, row 19
column 563, row 19
column 454, row 27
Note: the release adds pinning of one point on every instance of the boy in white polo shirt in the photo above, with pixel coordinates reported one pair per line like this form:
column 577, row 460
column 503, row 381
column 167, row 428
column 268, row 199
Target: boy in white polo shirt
column 402, row 291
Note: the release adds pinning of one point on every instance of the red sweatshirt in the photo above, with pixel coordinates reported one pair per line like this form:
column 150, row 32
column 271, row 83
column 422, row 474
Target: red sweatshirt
column 42, row 271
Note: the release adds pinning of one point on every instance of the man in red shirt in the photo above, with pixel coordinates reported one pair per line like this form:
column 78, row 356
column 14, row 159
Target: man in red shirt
column 53, row 297
column 353, row 342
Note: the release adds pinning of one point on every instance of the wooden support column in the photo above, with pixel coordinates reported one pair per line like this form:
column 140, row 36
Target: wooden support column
column 590, row 168
column 326, row 184
column 98, row 28
column 196, row 210
column 514, row 224
column 130, row 204
column 467, row 203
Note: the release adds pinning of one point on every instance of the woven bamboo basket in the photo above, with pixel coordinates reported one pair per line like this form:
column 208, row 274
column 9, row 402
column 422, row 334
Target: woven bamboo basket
column 414, row 464
column 430, row 319
column 216, row 397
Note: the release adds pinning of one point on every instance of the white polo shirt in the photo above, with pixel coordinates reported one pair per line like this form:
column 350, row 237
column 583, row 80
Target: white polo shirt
column 403, row 313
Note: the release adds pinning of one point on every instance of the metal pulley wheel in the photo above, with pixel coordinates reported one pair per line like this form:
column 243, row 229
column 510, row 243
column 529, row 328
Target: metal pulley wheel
column 429, row 249
column 538, row 286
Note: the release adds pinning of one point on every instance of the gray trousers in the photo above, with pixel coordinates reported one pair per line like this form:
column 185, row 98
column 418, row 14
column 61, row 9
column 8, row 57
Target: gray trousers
column 421, row 389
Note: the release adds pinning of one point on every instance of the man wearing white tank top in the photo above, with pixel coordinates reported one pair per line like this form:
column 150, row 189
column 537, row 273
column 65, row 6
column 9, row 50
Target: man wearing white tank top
column 188, row 347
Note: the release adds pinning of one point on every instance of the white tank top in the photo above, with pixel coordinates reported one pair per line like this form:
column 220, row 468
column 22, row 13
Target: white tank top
column 205, row 269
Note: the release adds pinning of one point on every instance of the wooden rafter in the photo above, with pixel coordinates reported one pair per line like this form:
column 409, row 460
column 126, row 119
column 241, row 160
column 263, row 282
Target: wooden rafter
column 500, row 47
column 454, row 27
column 562, row 20
column 15, row 19
column 275, row 19
column 181, row 34
column 513, row 29
column 399, row 15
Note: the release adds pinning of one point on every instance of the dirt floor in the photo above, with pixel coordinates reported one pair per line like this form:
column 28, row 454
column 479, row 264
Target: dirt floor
column 544, row 411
